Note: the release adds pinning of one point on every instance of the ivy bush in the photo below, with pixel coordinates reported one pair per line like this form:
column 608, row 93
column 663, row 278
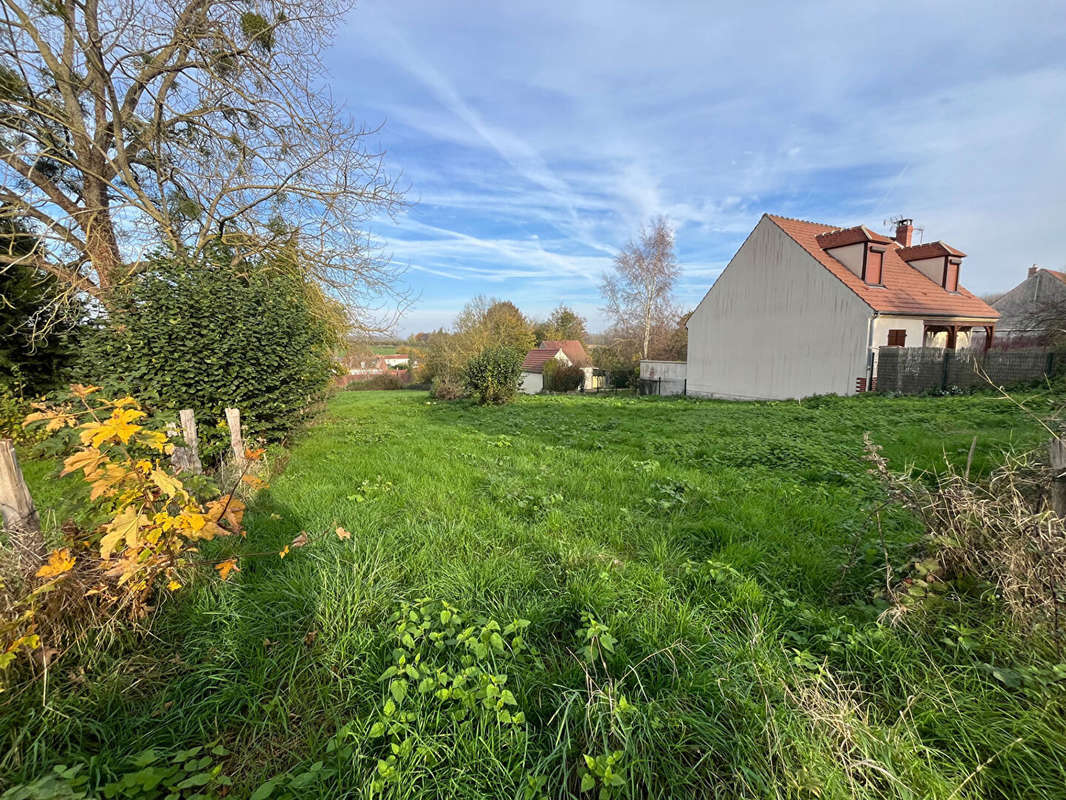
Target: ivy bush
column 199, row 334
column 493, row 376
column 565, row 378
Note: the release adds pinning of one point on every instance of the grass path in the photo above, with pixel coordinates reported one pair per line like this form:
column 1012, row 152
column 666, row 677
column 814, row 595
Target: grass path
column 726, row 549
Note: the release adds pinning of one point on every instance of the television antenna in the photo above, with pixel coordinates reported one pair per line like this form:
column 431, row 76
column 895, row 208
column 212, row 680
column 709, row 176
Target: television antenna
column 892, row 222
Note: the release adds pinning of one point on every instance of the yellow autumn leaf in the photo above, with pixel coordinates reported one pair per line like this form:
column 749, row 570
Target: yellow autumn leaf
column 157, row 440
column 173, row 586
column 118, row 426
column 228, row 508
column 343, row 534
column 87, row 460
column 59, row 561
column 124, row 527
column 167, row 484
column 284, row 551
column 107, row 480
column 226, row 567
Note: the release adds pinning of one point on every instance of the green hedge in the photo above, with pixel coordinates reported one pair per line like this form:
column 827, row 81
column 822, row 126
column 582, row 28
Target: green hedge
column 493, row 376
column 205, row 335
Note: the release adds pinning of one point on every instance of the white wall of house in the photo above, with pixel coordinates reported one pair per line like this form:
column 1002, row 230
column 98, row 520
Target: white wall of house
column 776, row 325
column 914, row 326
column 532, row 382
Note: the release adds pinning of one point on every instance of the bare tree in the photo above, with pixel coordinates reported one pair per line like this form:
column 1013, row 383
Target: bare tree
column 638, row 292
column 126, row 124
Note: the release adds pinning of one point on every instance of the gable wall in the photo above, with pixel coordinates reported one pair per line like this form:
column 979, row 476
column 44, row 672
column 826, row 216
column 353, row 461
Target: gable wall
column 1027, row 300
column 777, row 324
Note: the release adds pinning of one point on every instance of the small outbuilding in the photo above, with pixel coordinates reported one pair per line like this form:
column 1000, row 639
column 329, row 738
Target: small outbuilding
column 569, row 352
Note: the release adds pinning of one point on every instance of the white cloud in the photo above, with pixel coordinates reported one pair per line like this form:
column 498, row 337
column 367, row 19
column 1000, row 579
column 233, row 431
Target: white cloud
column 537, row 137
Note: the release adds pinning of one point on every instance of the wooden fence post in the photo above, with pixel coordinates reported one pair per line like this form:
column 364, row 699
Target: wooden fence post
column 1057, row 455
column 233, row 420
column 187, row 458
column 19, row 513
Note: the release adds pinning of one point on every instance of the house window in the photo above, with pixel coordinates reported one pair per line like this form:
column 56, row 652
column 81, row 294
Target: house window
column 951, row 275
column 897, row 338
column 873, row 266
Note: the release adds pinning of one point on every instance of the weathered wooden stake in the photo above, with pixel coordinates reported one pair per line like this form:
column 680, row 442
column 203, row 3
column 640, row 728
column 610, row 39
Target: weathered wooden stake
column 19, row 513
column 1057, row 454
column 187, row 458
column 233, row 420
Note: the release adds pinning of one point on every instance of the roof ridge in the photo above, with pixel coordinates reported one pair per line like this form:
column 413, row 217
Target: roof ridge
column 807, row 221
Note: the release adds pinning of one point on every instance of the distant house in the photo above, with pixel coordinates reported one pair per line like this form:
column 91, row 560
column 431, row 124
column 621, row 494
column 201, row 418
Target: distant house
column 568, row 352
column 802, row 309
column 1033, row 308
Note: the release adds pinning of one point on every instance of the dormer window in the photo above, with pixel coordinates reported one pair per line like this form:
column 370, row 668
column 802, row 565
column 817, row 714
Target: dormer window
column 873, row 268
column 860, row 250
column 936, row 261
column 951, row 274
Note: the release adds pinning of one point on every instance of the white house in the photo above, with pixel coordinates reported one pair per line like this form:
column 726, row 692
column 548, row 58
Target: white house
column 568, row 352
column 802, row 308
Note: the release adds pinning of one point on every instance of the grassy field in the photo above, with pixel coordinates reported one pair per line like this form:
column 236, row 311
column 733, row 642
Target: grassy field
column 701, row 583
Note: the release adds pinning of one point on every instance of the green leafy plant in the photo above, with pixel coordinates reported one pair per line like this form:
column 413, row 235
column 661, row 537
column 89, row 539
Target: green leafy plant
column 493, row 375
column 596, row 639
column 563, row 377
column 447, row 662
column 602, row 771
column 196, row 334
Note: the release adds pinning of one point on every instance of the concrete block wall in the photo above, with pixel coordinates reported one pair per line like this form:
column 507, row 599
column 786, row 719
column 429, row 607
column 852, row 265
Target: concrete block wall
column 913, row 370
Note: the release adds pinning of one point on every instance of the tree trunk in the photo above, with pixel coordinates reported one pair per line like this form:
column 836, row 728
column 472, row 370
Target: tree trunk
column 101, row 244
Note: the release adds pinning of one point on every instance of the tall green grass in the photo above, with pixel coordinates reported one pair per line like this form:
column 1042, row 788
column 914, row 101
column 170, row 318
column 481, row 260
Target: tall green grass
column 728, row 549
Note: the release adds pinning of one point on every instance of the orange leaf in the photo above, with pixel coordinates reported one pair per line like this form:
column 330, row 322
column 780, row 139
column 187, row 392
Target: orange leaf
column 59, row 562
column 226, row 567
column 87, row 460
column 284, row 551
column 80, row 390
column 254, row 482
column 254, row 455
column 343, row 534
column 300, row 540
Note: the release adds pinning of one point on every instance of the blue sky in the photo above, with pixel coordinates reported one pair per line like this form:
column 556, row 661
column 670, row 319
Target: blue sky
column 535, row 138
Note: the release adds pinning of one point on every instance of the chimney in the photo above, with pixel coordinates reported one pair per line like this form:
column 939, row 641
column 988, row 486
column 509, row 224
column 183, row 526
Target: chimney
column 1032, row 270
column 904, row 231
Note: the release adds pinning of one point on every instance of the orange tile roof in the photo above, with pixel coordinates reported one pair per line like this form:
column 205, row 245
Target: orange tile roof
column 905, row 290
column 928, row 250
column 573, row 349
column 846, row 236
column 536, row 359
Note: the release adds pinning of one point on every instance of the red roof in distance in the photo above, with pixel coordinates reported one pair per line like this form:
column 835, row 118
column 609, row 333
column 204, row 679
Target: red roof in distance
column 536, row 359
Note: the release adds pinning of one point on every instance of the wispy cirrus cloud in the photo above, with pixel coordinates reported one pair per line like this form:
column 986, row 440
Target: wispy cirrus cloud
column 538, row 137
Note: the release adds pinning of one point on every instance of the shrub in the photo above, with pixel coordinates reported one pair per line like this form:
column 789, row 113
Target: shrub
column 201, row 335
column 147, row 526
column 37, row 335
column 493, row 376
column 446, row 387
column 998, row 532
column 564, row 378
column 376, row 382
